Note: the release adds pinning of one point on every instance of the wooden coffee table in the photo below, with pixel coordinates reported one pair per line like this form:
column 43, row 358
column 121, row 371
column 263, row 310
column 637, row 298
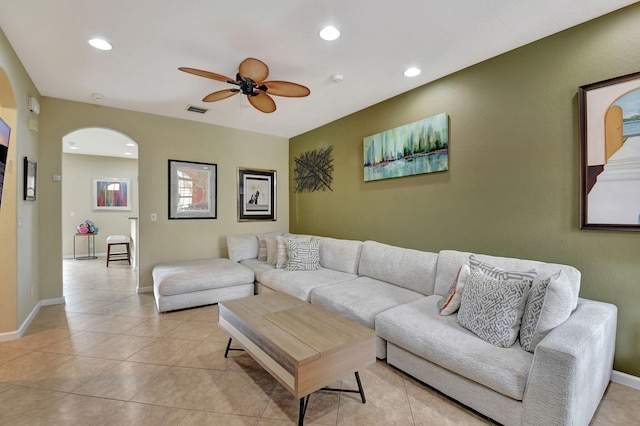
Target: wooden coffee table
column 302, row 346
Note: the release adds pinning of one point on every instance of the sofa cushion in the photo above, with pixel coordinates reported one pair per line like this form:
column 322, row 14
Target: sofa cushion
column 242, row 247
column 450, row 303
column 340, row 255
column 411, row 269
column 449, row 262
column 548, row 306
column 303, row 254
column 362, row 298
column 300, row 283
column 419, row 328
column 493, row 308
column 258, row 267
column 195, row 275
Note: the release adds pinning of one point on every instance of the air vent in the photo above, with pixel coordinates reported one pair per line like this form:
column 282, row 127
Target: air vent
column 199, row 110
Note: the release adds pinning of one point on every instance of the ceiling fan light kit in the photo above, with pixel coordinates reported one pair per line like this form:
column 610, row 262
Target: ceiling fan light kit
column 250, row 80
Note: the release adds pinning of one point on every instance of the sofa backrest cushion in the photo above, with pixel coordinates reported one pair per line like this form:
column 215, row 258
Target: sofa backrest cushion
column 412, row 269
column 450, row 261
column 340, row 255
column 245, row 247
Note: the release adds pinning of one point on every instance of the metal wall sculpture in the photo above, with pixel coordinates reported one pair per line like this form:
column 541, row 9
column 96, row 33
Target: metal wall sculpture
column 313, row 170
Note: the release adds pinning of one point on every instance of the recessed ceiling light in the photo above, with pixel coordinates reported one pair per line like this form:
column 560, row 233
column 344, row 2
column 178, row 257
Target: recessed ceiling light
column 100, row 43
column 329, row 33
column 131, row 144
column 412, row 72
column 128, row 153
column 73, row 147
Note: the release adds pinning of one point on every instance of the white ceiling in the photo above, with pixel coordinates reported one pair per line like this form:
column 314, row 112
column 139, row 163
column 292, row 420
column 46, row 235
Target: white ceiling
column 380, row 39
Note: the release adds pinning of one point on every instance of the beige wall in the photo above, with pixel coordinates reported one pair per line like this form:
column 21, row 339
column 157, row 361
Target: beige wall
column 159, row 139
column 513, row 184
column 19, row 223
column 79, row 171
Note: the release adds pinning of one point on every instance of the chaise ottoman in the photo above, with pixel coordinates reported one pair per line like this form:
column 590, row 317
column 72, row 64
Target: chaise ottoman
column 190, row 283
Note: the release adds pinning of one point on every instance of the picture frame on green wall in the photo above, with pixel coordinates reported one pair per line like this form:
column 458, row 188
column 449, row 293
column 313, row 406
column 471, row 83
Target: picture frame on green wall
column 256, row 194
column 609, row 133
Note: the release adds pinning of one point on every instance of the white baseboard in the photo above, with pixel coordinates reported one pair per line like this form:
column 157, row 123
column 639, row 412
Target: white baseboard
column 13, row 335
column 625, row 379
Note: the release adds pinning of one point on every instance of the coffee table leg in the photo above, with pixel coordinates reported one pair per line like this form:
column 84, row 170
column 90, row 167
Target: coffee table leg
column 360, row 388
column 304, row 401
column 229, row 348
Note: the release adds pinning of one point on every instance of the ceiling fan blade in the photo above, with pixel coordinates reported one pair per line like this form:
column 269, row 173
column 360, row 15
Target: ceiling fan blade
column 262, row 102
column 206, row 74
column 219, row 95
column 254, row 69
column 286, row 88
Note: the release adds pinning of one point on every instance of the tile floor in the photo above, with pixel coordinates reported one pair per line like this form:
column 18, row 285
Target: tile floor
column 108, row 358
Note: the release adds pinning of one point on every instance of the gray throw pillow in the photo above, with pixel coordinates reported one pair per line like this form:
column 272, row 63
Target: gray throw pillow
column 492, row 309
column 549, row 304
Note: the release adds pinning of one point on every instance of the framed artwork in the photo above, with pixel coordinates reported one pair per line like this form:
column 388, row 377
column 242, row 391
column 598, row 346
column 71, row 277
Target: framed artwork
column 256, row 194
column 609, row 132
column 5, row 132
column 111, row 194
column 415, row 148
column 193, row 190
column 30, row 168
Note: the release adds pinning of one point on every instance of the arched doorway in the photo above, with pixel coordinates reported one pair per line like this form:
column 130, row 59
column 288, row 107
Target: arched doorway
column 92, row 157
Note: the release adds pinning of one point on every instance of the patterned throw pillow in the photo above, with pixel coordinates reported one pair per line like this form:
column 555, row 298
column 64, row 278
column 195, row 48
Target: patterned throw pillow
column 303, row 254
column 262, row 249
column 499, row 273
column 492, row 309
column 549, row 304
column 450, row 303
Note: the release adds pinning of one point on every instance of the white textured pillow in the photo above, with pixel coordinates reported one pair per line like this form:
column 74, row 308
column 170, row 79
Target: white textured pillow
column 303, row 254
column 281, row 256
column 549, row 304
column 450, row 303
column 492, row 309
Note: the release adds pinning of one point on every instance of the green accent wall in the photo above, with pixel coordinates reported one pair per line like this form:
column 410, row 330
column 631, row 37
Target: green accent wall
column 512, row 188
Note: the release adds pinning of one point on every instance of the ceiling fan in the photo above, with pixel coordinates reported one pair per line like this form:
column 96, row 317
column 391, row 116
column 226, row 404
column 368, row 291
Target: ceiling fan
column 250, row 81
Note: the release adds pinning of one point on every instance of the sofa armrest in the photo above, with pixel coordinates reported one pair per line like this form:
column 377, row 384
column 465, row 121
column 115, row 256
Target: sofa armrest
column 572, row 367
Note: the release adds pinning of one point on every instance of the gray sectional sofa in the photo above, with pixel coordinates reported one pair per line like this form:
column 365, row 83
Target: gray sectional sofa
column 398, row 293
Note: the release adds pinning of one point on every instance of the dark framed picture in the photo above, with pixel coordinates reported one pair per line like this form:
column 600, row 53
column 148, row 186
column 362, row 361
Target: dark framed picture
column 193, row 190
column 609, row 132
column 30, row 170
column 256, row 194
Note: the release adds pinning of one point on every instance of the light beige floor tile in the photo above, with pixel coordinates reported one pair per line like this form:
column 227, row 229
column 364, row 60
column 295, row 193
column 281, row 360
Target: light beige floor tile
column 218, row 335
column 192, row 330
column 75, row 410
column 164, row 351
column 430, row 407
column 206, row 355
column 30, row 366
column 19, row 403
column 145, row 311
column 322, row 407
column 178, row 387
column 85, row 321
column 132, row 413
column 9, row 354
column 153, row 327
column 116, row 324
column 119, row 347
column 204, row 313
column 69, row 375
column 197, row 418
column 36, row 338
column 52, row 318
column 86, row 306
column 122, row 381
column 76, row 343
column 116, row 308
column 614, row 412
column 239, row 393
